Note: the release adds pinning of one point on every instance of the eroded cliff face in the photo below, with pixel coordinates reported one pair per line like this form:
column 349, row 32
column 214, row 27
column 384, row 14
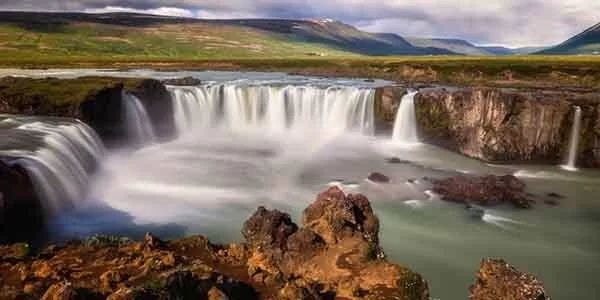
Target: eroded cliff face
column 387, row 101
column 501, row 125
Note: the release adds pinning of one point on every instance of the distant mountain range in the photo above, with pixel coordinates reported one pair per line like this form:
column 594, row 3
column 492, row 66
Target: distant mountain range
column 467, row 48
column 43, row 34
column 587, row 42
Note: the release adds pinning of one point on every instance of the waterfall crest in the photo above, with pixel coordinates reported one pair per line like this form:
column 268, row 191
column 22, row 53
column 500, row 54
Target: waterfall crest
column 574, row 141
column 59, row 155
column 139, row 127
column 405, row 125
column 327, row 111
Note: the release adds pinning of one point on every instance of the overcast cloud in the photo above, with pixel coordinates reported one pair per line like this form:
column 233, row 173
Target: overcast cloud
column 506, row 22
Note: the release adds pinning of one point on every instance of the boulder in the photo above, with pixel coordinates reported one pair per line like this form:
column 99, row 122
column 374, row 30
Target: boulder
column 268, row 228
column 497, row 279
column 335, row 216
column 486, row 190
column 378, row 178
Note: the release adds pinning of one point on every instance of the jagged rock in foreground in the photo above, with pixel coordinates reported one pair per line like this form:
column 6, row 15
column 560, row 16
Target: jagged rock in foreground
column 497, row 280
column 335, row 255
column 486, row 191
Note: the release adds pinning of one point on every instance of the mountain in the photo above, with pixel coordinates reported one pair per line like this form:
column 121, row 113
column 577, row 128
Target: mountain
column 587, row 42
column 467, row 48
column 452, row 45
column 42, row 34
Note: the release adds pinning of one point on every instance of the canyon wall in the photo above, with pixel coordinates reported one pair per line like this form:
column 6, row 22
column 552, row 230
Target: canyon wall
column 508, row 125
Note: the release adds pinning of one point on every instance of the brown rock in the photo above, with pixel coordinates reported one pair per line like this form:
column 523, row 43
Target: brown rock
column 268, row 228
column 61, row 291
column 486, row 191
column 216, row 294
column 335, row 216
column 169, row 260
column 110, row 279
column 496, row 279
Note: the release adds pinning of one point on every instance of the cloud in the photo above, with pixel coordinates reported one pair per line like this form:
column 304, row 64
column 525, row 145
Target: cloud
column 161, row 11
column 507, row 22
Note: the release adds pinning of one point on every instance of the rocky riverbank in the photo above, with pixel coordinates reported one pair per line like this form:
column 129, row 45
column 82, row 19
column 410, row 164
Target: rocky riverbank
column 335, row 255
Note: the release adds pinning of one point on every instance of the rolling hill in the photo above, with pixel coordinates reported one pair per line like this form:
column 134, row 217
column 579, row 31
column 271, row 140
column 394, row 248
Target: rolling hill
column 587, row 42
column 38, row 34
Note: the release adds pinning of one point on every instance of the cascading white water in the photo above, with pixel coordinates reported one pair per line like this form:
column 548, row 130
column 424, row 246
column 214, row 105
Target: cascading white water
column 574, row 141
column 139, row 127
column 328, row 111
column 405, row 126
column 58, row 155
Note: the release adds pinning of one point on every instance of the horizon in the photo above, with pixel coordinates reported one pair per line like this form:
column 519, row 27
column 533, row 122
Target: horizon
column 510, row 24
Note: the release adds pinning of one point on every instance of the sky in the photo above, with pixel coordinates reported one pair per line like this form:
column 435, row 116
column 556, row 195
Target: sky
column 513, row 23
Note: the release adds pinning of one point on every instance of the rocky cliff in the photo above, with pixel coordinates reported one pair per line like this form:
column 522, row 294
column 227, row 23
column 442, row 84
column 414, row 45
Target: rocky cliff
column 508, row 125
column 95, row 100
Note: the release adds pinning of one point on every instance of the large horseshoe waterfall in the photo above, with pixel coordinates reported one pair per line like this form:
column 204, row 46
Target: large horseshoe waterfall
column 325, row 111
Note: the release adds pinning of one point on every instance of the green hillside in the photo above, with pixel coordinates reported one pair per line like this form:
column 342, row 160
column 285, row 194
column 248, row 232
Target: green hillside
column 42, row 35
column 585, row 43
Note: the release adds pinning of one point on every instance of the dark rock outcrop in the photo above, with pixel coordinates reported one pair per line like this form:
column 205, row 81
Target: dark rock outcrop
column 387, row 101
column 185, row 81
column 267, row 228
column 104, row 110
column 21, row 212
column 502, row 125
column 486, row 191
column 157, row 101
column 378, row 177
column 497, row 279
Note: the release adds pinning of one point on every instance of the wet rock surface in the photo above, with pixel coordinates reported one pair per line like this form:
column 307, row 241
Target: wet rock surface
column 497, row 279
column 485, row 191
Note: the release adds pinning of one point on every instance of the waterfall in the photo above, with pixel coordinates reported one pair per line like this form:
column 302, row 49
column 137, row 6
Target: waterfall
column 326, row 111
column 139, row 127
column 59, row 156
column 405, row 126
column 574, row 141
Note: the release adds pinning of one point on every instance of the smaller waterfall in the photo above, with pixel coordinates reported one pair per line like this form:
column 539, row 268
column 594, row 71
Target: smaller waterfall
column 139, row 127
column 405, row 126
column 574, row 141
column 58, row 155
